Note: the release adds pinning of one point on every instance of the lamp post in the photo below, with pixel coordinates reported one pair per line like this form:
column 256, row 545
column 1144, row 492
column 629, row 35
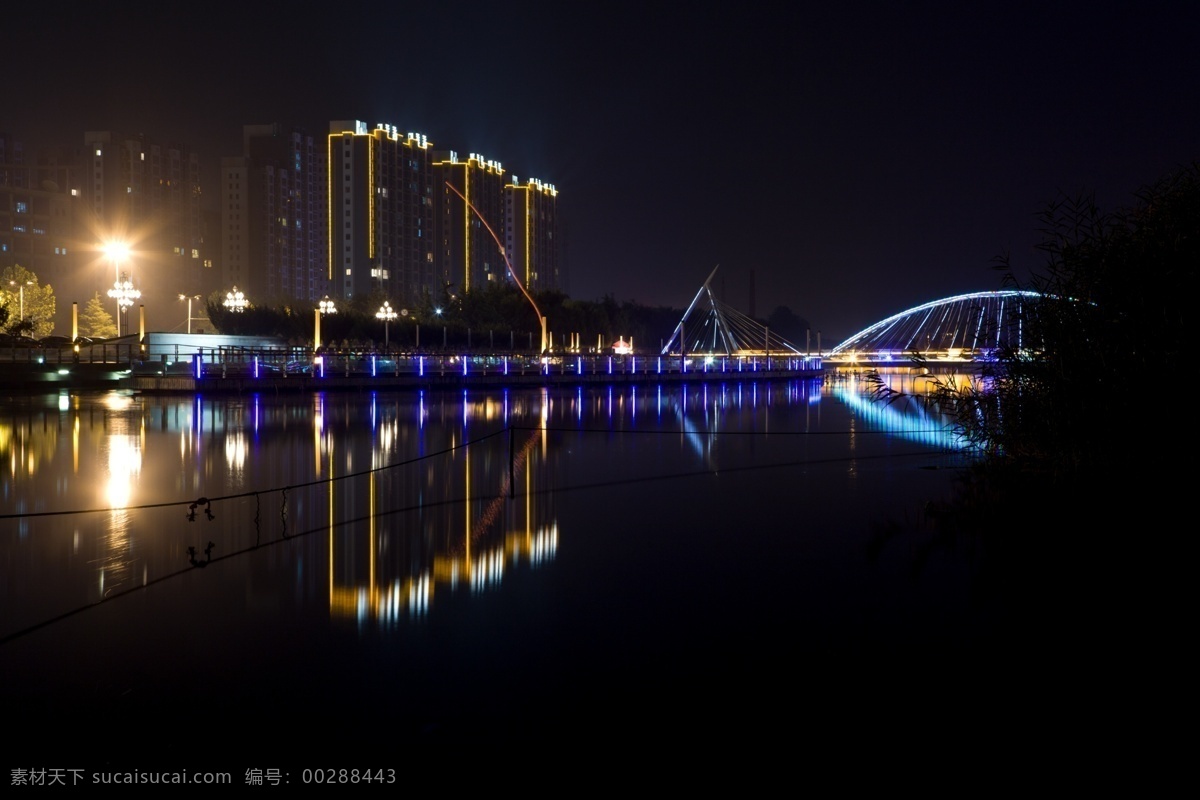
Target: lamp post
column 326, row 306
column 21, row 292
column 124, row 293
column 117, row 252
column 387, row 314
column 189, row 298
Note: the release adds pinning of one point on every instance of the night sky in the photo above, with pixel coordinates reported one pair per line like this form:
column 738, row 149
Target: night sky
column 847, row 163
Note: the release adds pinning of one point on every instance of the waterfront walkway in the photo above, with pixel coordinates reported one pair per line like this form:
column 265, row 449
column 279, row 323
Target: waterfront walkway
column 242, row 369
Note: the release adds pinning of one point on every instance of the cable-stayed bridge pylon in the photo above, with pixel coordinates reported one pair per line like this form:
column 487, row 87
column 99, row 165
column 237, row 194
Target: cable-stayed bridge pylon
column 712, row 327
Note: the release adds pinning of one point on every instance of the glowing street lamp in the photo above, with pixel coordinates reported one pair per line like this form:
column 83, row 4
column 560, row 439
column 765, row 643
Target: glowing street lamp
column 124, row 293
column 326, row 306
column 235, row 300
column 189, row 298
column 117, row 252
column 21, row 290
column 387, row 314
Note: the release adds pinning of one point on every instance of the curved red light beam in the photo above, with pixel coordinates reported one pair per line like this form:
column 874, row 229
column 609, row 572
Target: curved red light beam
column 507, row 263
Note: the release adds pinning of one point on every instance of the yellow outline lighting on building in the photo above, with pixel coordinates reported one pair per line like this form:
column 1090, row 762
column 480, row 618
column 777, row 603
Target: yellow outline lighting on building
column 373, row 191
column 329, row 200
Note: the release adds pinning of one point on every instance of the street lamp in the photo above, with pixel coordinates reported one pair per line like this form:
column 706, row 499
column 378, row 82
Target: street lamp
column 21, row 291
column 189, row 298
column 324, row 307
column 387, row 314
column 124, row 293
column 235, row 300
column 117, row 252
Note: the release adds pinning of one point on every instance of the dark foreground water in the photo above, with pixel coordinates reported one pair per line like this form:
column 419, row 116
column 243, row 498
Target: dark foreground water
column 246, row 582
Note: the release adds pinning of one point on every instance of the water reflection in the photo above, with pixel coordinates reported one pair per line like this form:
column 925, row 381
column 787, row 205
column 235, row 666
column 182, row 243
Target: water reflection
column 379, row 503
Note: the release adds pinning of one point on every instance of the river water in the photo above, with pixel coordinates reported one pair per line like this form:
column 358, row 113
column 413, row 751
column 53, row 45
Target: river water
column 350, row 573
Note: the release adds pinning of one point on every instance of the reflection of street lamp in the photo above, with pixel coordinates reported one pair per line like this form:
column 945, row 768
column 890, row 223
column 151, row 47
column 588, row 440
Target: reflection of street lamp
column 387, row 314
column 189, row 298
column 235, row 300
column 21, row 290
column 124, row 293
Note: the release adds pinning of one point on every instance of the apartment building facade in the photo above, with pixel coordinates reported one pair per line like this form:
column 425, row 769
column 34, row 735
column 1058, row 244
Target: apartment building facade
column 272, row 210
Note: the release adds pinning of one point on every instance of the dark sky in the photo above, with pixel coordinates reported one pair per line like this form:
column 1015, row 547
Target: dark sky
column 846, row 162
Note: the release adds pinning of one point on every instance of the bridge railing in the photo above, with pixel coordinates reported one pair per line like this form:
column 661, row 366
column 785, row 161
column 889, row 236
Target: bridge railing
column 228, row 362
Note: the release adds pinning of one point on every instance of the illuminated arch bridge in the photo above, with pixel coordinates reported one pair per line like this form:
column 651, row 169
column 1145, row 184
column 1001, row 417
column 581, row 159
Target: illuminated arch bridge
column 964, row 327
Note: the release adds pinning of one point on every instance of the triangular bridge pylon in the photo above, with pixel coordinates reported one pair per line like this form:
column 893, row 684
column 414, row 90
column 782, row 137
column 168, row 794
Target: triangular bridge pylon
column 713, row 327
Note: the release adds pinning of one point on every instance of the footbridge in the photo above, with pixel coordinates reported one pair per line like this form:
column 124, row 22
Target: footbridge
column 962, row 328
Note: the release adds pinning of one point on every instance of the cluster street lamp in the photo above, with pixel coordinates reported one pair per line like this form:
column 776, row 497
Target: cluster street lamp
column 117, row 252
column 326, row 306
column 387, row 314
column 189, row 298
column 235, row 300
column 124, row 293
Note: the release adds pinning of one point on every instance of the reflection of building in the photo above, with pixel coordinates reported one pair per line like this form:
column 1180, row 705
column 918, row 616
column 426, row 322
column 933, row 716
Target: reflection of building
column 378, row 572
column 273, row 217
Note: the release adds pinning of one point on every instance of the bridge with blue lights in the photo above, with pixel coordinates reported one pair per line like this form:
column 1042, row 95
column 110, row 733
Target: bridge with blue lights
column 963, row 328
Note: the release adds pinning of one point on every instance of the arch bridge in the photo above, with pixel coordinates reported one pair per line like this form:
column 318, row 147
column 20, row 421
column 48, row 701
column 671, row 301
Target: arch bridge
column 962, row 328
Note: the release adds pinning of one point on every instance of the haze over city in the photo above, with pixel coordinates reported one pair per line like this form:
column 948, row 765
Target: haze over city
column 847, row 163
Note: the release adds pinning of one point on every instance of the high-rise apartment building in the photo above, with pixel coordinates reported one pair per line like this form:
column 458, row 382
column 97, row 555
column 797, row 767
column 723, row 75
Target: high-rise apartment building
column 272, row 209
column 471, row 221
column 531, row 233
column 381, row 216
column 147, row 195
